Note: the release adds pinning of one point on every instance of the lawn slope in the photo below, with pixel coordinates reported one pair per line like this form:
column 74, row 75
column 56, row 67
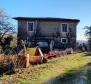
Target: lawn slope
column 39, row 73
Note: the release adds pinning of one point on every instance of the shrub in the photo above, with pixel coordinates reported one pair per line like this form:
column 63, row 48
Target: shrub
column 7, row 64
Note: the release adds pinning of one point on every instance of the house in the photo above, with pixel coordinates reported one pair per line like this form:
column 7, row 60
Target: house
column 52, row 32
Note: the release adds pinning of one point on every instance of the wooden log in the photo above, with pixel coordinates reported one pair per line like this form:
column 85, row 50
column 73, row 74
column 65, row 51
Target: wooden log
column 37, row 60
column 27, row 60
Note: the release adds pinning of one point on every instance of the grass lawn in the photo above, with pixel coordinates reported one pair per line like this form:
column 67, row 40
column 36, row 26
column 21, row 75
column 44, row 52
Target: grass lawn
column 64, row 66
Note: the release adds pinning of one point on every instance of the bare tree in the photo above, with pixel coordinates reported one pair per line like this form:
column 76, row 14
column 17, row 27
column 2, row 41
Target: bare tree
column 5, row 26
column 88, row 35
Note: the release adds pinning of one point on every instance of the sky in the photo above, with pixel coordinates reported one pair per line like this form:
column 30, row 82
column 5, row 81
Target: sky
column 75, row 9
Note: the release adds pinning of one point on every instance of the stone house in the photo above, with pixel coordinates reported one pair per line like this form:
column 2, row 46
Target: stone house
column 56, row 33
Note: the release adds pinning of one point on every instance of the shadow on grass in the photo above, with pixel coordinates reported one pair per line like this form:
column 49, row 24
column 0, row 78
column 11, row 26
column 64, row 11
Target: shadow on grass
column 89, row 75
column 66, row 78
column 87, row 54
column 73, row 76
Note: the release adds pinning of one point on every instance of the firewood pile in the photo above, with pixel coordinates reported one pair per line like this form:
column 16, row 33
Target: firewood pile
column 39, row 57
column 56, row 53
column 8, row 63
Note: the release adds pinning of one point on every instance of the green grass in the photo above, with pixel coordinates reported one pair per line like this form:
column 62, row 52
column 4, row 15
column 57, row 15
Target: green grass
column 65, row 67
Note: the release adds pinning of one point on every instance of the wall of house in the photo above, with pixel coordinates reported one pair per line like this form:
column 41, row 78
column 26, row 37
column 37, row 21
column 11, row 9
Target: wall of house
column 49, row 29
column 22, row 30
column 73, row 27
column 46, row 29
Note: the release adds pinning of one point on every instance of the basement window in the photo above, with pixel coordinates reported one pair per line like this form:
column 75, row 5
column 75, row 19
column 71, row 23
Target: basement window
column 30, row 26
column 64, row 40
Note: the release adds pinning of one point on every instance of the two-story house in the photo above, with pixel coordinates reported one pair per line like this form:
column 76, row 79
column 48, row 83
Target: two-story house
column 57, row 32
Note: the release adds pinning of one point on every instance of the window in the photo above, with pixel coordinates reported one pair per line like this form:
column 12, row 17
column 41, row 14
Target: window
column 30, row 26
column 64, row 27
column 63, row 40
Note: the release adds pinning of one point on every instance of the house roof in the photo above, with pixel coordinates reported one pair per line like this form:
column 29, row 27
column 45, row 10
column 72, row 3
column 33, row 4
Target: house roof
column 45, row 19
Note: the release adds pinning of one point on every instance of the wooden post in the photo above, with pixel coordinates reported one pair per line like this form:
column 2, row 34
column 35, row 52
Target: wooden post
column 27, row 60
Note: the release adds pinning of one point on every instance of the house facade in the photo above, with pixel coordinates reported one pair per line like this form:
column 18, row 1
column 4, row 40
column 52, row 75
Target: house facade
column 56, row 32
